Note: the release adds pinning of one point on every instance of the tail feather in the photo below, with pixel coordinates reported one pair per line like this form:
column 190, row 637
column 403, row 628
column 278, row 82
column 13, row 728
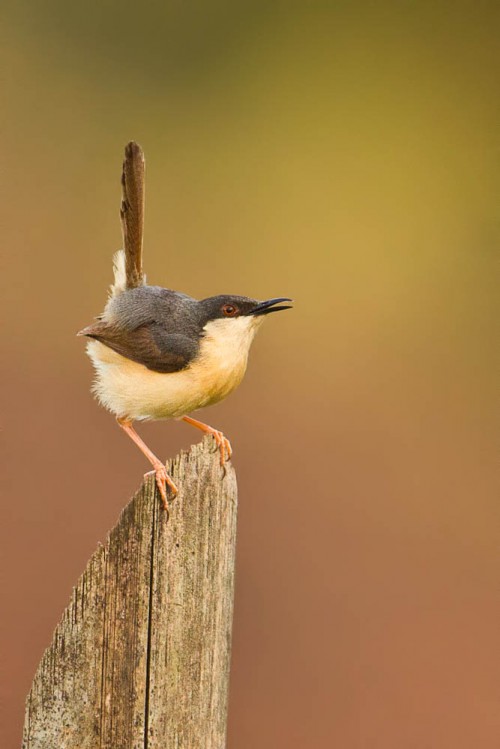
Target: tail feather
column 120, row 282
column 128, row 262
column 120, row 275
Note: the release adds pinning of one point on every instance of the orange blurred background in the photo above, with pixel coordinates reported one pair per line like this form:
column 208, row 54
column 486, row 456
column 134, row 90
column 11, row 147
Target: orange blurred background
column 339, row 155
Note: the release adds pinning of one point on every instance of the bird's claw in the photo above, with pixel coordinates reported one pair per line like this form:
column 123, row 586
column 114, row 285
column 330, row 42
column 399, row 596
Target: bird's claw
column 222, row 442
column 162, row 481
column 224, row 446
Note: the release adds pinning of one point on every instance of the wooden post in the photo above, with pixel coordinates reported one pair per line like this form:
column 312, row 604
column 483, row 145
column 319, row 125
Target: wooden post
column 140, row 659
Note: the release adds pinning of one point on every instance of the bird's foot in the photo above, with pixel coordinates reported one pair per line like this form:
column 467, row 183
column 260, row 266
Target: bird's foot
column 223, row 444
column 162, row 481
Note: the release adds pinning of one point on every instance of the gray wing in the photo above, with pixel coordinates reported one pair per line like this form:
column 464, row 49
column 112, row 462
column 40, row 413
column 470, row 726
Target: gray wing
column 152, row 326
column 150, row 345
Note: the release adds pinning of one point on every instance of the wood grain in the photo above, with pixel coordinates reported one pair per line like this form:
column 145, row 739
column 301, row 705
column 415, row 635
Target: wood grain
column 140, row 659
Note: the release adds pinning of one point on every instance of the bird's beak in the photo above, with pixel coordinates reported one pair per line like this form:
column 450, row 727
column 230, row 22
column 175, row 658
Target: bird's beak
column 264, row 308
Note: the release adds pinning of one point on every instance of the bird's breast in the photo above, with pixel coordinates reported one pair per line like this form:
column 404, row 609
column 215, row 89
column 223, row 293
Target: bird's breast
column 219, row 366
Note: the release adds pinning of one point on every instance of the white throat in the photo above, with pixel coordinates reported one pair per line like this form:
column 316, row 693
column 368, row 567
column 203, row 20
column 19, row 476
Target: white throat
column 228, row 340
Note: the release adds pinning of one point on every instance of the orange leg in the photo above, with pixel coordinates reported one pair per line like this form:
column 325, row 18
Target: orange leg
column 222, row 442
column 162, row 477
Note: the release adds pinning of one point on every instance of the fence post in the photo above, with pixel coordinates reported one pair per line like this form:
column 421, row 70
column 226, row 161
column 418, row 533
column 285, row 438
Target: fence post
column 140, row 659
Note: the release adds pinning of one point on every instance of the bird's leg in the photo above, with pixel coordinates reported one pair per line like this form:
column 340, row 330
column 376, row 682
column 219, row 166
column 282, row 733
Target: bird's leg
column 162, row 477
column 222, row 442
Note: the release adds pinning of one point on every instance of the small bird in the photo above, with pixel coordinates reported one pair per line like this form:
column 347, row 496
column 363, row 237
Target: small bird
column 158, row 353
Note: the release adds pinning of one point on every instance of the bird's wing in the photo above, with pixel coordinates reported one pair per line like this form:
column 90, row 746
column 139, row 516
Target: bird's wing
column 132, row 213
column 149, row 344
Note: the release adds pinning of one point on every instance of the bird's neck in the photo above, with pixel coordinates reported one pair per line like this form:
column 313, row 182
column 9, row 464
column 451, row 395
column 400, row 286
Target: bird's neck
column 226, row 342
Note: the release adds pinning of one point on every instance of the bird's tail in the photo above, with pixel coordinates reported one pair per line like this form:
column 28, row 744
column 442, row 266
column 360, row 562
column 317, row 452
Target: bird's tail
column 120, row 275
column 128, row 262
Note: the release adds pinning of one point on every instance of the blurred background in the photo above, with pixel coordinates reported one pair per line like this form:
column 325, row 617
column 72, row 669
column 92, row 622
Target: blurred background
column 341, row 154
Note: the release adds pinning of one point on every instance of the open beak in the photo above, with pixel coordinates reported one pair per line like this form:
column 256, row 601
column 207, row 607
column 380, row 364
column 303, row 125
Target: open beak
column 264, row 308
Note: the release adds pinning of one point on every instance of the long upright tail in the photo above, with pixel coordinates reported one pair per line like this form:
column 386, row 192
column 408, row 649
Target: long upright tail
column 128, row 262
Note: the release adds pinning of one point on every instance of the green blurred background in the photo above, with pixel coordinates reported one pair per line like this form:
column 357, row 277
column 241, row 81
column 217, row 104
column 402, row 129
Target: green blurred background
column 341, row 154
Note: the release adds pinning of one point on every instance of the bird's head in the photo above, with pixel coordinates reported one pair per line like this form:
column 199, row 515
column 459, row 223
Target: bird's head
column 237, row 318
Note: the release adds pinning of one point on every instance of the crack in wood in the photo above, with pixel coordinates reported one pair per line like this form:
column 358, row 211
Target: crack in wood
column 150, row 625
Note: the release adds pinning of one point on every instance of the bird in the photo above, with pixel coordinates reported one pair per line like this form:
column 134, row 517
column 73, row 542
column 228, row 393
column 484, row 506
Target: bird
column 159, row 353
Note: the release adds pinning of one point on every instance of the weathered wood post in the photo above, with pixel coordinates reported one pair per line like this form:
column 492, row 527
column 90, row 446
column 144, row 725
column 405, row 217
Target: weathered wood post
column 140, row 659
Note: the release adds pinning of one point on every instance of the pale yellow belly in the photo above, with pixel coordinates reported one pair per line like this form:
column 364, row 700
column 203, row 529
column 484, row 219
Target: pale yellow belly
column 131, row 390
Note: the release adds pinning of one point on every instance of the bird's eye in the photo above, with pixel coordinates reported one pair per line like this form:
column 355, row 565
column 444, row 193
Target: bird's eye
column 229, row 310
